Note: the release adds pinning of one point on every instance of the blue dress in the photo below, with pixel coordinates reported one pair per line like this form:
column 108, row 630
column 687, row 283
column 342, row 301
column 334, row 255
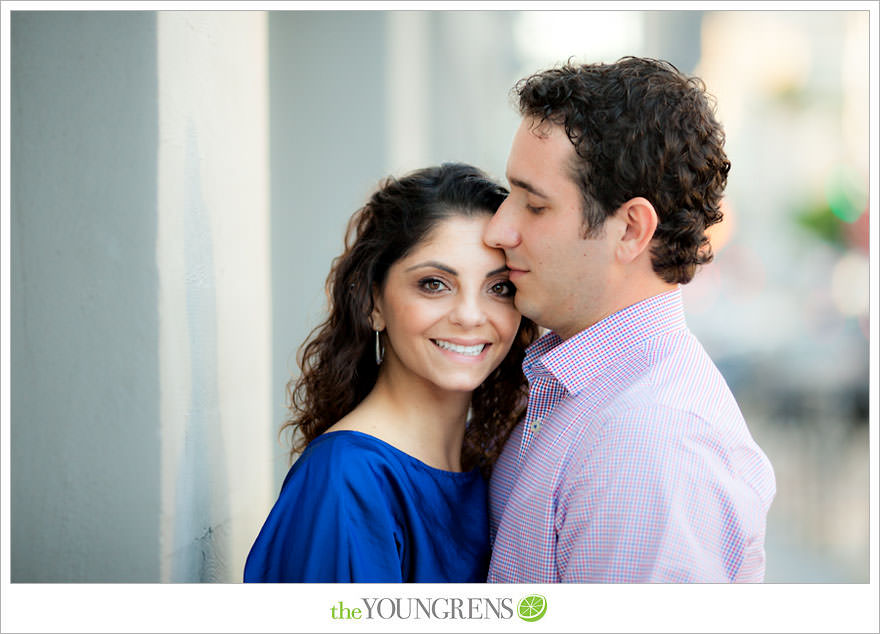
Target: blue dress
column 355, row 509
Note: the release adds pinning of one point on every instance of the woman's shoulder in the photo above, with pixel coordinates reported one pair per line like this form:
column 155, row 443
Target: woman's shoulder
column 347, row 443
column 347, row 460
column 344, row 458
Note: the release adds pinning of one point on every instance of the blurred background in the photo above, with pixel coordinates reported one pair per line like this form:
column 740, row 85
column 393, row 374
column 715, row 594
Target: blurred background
column 180, row 182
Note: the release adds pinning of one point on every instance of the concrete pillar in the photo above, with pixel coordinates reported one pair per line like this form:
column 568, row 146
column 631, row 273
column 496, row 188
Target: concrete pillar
column 84, row 425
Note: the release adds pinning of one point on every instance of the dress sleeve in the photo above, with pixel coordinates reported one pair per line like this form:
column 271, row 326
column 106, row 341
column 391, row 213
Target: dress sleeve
column 334, row 521
column 654, row 506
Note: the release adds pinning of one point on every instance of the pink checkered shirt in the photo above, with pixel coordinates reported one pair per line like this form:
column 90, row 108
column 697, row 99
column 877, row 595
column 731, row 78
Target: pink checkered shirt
column 633, row 464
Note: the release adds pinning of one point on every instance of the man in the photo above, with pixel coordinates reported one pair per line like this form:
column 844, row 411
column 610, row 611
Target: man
column 633, row 463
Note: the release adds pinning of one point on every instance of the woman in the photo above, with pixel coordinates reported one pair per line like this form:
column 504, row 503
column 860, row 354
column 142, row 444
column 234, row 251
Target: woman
column 407, row 393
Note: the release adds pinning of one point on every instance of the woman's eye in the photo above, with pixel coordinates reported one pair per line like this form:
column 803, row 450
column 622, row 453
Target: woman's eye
column 432, row 285
column 504, row 289
column 534, row 210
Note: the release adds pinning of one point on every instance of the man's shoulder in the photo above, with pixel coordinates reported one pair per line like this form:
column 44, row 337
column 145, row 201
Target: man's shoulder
column 644, row 435
column 650, row 418
column 679, row 350
column 657, row 397
column 679, row 377
column 671, row 371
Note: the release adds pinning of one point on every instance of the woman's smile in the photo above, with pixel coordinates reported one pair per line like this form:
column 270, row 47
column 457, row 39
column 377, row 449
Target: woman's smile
column 469, row 351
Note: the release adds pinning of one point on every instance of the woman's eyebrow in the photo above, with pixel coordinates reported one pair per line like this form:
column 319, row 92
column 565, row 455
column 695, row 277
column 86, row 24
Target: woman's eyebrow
column 435, row 265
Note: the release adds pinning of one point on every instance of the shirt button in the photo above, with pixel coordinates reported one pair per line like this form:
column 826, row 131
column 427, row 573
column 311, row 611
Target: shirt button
column 535, row 426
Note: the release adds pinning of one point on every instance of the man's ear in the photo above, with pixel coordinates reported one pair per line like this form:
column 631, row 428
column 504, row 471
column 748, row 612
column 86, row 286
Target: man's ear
column 639, row 220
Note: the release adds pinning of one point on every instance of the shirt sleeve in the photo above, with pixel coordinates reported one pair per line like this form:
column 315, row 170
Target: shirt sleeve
column 333, row 522
column 655, row 501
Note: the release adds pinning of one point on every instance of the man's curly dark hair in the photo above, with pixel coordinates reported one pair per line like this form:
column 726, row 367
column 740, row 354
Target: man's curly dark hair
column 639, row 128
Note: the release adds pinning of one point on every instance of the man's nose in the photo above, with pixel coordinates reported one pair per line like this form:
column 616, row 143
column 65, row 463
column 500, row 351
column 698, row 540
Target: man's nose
column 500, row 233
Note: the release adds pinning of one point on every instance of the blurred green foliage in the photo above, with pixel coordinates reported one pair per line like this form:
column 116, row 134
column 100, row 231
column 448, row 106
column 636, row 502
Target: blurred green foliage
column 826, row 217
column 819, row 220
column 846, row 197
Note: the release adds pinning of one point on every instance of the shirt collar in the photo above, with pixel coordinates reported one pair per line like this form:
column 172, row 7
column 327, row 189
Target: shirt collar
column 578, row 361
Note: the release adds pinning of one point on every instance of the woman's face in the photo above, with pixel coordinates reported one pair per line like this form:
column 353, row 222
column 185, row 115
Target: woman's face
column 447, row 308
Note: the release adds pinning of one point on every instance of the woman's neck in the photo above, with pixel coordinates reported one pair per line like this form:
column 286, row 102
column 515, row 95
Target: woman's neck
column 414, row 416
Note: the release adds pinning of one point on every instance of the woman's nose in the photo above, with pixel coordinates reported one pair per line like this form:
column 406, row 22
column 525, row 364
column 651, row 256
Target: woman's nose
column 468, row 311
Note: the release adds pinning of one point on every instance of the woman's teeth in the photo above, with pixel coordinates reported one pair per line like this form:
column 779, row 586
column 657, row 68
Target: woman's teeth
column 468, row 350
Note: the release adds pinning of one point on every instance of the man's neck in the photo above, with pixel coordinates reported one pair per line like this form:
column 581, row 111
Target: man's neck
column 635, row 292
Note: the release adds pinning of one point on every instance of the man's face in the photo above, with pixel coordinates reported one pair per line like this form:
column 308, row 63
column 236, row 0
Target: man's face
column 562, row 279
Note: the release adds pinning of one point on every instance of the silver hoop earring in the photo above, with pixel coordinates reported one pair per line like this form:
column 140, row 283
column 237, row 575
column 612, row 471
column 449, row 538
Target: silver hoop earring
column 380, row 352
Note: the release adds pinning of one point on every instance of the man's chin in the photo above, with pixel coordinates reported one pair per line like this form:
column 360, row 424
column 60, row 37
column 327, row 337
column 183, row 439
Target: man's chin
column 525, row 308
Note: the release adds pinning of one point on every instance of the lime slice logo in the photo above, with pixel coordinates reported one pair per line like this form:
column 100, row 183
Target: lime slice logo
column 532, row 607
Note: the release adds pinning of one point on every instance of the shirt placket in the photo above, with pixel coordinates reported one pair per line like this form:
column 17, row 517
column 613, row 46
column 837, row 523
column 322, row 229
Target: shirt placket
column 544, row 393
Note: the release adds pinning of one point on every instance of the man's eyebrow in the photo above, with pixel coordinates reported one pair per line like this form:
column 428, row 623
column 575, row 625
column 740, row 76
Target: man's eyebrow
column 516, row 182
column 433, row 264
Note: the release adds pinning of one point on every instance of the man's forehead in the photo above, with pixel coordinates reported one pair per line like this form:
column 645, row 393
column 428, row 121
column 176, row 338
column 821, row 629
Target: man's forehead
column 541, row 128
column 542, row 136
column 541, row 159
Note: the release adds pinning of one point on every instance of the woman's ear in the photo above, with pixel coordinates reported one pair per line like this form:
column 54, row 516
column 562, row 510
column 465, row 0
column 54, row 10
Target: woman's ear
column 640, row 222
column 377, row 321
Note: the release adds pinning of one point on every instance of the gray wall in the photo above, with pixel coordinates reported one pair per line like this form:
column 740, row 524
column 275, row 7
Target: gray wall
column 327, row 74
column 84, row 328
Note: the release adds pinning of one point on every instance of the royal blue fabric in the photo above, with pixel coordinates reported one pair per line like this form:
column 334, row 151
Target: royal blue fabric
column 355, row 509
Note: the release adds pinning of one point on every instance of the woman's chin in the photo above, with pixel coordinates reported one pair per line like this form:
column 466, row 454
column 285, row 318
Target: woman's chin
column 461, row 385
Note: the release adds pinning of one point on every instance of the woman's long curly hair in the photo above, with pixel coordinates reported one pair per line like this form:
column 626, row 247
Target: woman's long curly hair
column 640, row 128
column 337, row 360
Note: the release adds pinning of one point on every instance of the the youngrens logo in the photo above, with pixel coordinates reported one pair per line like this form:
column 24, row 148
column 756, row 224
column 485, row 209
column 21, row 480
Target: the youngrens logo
column 530, row 608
